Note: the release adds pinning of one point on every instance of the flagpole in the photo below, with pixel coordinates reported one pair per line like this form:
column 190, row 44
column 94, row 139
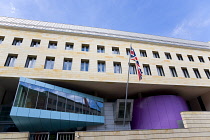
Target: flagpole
column 126, row 94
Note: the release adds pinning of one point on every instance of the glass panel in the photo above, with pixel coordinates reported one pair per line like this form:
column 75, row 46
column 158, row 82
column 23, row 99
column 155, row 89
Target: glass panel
column 52, row 102
column 122, row 108
column 70, row 103
column 78, row 104
column 21, row 95
column 100, row 107
column 32, row 97
column 93, row 107
column 86, row 106
column 61, row 104
column 42, row 100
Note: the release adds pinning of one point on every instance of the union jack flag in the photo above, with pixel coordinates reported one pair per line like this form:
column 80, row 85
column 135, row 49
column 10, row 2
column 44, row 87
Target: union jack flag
column 134, row 57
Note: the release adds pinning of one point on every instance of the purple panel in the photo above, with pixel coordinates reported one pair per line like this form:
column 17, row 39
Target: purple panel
column 158, row 112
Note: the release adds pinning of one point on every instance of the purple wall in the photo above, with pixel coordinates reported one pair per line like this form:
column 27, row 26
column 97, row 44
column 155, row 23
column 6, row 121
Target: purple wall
column 157, row 112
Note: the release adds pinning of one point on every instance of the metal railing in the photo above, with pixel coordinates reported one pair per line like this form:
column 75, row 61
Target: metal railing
column 39, row 136
column 65, row 136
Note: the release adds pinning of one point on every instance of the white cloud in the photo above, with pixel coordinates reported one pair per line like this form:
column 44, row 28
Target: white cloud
column 12, row 7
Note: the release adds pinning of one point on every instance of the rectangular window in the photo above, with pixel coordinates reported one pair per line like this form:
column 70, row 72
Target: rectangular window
column 197, row 73
column 128, row 51
column 168, row 56
column 1, row 39
column 100, row 49
column 147, row 70
column 185, row 72
column 201, row 59
column 179, row 56
column 11, row 58
column 173, row 71
column 209, row 58
column 143, row 53
column 190, row 57
column 207, row 73
column 85, row 47
column 84, row 65
column 155, row 54
column 69, row 46
column 30, row 62
column 67, row 62
column 49, row 63
column 160, row 70
column 101, row 66
column 17, row 41
column 117, row 67
column 35, row 43
column 132, row 69
column 115, row 50
column 52, row 45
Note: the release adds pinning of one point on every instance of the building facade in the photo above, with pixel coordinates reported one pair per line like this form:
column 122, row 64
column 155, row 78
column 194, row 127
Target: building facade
column 92, row 63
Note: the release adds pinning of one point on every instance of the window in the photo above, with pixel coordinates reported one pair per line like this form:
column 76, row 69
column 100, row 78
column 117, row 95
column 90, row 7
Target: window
column 185, row 72
column 101, row 66
column 1, row 39
column 35, row 43
column 147, row 70
column 67, row 62
column 173, row 71
column 10, row 62
column 117, row 67
column 207, row 73
column 190, row 57
column 84, row 65
column 160, row 70
column 155, row 54
column 132, row 69
column 209, row 58
column 168, row 56
column 49, row 63
column 100, row 49
column 197, row 74
column 201, row 59
column 17, row 41
column 85, row 47
column 179, row 56
column 52, row 45
column 143, row 53
column 115, row 50
column 30, row 62
column 128, row 51
column 69, row 46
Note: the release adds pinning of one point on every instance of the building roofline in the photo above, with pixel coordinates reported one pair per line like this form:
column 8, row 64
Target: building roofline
column 59, row 27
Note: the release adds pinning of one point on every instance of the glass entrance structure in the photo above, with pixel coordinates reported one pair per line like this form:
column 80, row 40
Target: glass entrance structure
column 40, row 106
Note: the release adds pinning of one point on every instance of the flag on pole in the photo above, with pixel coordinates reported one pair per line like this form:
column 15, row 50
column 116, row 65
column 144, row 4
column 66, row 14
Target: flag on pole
column 134, row 57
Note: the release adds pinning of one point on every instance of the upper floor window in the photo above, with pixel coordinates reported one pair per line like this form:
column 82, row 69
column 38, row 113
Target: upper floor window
column 115, row 50
column 52, row 45
column 207, row 73
column 100, row 49
column 17, row 41
column 160, row 70
column 35, row 43
column 49, row 63
column 179, row 56
column 85, row 47
column 209, row 58
column 1, row 39
column 143, row 53
column 197, row 73
column 67, row 62
column 132, row 69
column 30, row 62
column 147, row 70
column 168, row 56
column 185, row 72
column 84, row 65
column 117, row 67
column 190, row 57
column 128, row 51
column 201, row 59
column 173, row 71
column 69, row 46
column 101, row 66
column 155, row 54
column 11, row 58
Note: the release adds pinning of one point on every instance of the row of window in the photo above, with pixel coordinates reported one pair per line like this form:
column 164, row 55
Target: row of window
column 100, row 49
column 67, row 64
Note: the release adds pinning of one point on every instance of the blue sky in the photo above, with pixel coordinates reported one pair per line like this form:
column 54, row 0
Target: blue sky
column 185, row 19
